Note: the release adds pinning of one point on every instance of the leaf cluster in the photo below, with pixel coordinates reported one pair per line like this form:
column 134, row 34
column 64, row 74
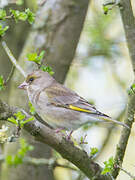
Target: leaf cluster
column 14, row 160
column 23, row 16
column 94, row 151
column 20, row 119
column 108, row 166
column 38, row 60
column 47, row 69
column 17, row 15
column 35, row 57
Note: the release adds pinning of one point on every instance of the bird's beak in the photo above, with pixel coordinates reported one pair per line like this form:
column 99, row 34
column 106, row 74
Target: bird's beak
column 23, row 85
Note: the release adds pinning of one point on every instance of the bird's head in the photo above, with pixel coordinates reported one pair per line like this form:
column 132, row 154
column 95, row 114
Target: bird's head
column 36, row 80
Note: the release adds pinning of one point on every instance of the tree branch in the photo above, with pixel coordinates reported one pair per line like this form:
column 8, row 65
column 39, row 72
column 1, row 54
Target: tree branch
column 129, row 28
column 12, row 58
column 128, row 173
column 52, row 162
column 10, row 75
column 56, row 140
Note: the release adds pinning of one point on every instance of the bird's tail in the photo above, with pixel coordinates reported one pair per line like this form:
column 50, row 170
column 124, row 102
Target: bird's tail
column 109, row 119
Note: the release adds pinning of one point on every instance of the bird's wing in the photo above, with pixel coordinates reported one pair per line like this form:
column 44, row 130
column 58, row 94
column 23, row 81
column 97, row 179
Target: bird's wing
column 59, row 95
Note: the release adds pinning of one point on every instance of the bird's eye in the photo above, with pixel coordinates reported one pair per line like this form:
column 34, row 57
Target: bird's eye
column 31, row 79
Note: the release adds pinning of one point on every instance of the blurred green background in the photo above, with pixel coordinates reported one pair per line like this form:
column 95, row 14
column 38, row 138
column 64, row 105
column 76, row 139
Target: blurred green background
column 101, row 72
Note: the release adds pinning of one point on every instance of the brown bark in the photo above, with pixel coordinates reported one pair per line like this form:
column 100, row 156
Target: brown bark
column 129, row 28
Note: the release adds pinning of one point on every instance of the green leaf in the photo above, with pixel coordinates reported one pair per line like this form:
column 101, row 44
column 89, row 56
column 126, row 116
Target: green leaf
column 32, row 108
column 9, row 159
column 3, row 30
column 47, row 69
column 15, row 14
column 22, row 16
column 2, row 14
column 17, row 160
column 2, row 87
column 14, row 160
column 108, row 165
column 81, row 139
column 41, row 55
column 105, row 9
column 13, row 120
column 131, row 90
column 133, row 87
column 32, row 57
column 20, row 116
column 35, row 58
column 20, row 119
column 26, row 121
column 23, row 143
column 94, row 150
column 31, row 16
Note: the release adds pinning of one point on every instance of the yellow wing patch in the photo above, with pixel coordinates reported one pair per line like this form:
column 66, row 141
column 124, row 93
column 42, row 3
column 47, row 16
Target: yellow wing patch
column 78, row 109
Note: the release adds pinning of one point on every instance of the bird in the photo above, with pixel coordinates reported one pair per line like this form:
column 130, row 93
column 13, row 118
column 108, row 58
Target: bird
column 59, row 106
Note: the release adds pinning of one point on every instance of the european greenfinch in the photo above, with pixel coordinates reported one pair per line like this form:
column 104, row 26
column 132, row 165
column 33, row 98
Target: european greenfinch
column 59, row 106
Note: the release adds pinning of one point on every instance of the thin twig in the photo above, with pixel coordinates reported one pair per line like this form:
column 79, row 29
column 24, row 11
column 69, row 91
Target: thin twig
column 7, row 17
column 113, row 3
column 108, row 3
column 12, row 58
column 52, row 162
column 10, row 75
column 128, row 173
column 129, row 27
column 108, row 135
